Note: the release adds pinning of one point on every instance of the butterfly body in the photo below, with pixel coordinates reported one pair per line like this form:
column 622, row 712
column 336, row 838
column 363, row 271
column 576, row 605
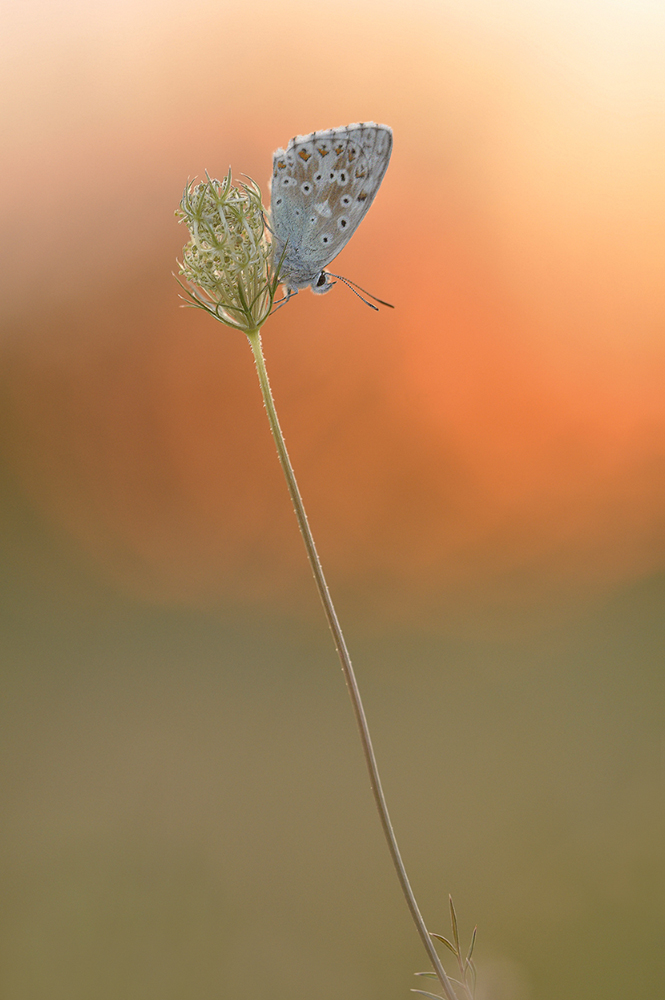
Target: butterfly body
column 321, row 188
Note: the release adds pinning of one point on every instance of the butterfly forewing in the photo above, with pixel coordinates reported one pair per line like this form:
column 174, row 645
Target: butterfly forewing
column 321, row 188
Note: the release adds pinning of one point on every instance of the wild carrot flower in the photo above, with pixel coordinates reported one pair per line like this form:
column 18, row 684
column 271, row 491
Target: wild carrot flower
column 227, row 262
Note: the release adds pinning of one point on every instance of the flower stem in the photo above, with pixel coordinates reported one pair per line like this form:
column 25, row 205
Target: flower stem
column 254, row 337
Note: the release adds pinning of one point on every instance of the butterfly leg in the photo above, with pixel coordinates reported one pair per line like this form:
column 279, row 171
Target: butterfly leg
column 290, row 291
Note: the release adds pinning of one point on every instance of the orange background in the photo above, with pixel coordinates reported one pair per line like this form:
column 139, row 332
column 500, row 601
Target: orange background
column 483, row 465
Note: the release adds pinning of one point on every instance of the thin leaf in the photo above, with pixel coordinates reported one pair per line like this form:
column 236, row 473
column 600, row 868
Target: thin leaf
column 443, row 940
column 453, row 921
column 472, row 945
column 428, row 975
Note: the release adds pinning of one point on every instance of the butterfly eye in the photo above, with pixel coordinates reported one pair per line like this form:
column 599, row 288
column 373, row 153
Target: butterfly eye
column 321, row 280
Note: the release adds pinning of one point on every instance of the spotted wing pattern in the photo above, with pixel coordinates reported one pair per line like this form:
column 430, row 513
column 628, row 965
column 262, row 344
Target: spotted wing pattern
column 321, row 188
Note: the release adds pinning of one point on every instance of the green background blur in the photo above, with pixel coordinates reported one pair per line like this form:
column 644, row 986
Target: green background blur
column 185, row 810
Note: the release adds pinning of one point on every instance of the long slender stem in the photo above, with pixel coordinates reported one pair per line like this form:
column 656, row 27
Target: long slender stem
column 345, row 660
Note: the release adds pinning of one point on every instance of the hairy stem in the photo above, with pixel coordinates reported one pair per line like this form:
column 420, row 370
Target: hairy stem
column 254, row 338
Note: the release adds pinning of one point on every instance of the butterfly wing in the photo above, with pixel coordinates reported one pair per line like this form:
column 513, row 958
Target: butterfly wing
column 321, row 188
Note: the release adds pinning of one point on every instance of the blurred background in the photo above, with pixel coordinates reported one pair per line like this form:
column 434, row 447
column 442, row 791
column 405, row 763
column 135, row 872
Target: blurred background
column 185, row 810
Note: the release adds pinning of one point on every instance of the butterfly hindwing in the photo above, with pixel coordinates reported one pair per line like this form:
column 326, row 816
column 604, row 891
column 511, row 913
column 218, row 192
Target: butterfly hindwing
column 321, row 189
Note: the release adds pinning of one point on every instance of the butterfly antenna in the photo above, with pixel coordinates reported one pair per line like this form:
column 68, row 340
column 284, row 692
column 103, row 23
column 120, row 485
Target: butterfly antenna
column 352, row 285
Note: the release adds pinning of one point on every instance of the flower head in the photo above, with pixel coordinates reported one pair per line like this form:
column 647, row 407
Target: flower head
column 227, row 262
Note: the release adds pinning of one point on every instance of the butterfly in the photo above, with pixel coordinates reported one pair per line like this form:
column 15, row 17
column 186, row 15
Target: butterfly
column 321, row 188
